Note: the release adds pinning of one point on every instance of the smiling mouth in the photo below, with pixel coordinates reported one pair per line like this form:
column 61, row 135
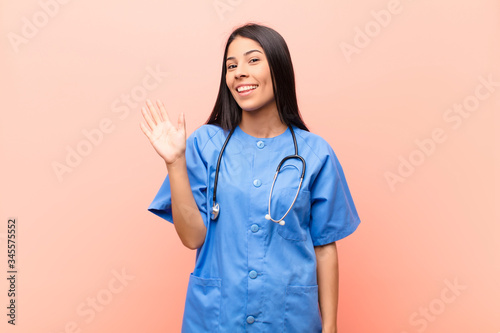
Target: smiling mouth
column 246, row 88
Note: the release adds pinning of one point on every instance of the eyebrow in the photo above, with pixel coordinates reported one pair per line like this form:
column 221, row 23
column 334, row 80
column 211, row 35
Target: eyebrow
column 244, row 54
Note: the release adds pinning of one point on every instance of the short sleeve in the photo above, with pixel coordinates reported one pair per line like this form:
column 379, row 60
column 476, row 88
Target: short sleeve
column 197, row 174
column 333, row 214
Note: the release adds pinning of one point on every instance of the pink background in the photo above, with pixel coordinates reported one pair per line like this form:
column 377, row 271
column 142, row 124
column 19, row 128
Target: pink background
column 436, row 227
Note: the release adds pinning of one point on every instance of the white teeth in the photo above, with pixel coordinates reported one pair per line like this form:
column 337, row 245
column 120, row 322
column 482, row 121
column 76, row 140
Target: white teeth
column 245, row 88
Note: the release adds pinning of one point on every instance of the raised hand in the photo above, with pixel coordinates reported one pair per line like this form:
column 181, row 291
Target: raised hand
column 168, row 140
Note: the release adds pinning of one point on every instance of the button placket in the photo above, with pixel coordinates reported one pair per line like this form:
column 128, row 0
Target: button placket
column 256, row 248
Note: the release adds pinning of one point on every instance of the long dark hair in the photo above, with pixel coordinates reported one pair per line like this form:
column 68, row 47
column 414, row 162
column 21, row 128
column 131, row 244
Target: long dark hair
column 227, row 113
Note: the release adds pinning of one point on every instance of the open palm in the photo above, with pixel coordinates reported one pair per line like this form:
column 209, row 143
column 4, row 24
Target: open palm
column 168, row 140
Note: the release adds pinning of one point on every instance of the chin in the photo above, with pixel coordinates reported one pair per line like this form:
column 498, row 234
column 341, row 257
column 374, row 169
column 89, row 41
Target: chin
column 247, row 106
column 250, row 109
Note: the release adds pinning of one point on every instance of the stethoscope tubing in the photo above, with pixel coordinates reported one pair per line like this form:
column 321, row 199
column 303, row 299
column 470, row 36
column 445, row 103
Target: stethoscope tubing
column 216, row 208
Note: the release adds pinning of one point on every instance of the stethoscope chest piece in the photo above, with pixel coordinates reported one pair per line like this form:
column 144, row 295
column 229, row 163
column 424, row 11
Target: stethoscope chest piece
column 215, row 211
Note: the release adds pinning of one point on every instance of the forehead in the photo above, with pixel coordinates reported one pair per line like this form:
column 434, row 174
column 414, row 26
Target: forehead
column 240, row 45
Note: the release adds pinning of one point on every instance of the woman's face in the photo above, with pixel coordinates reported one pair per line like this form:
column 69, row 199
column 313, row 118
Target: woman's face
column 248, row 76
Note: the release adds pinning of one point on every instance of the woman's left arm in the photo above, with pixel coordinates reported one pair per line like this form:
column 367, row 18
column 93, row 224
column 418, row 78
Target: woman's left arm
column 328, row 285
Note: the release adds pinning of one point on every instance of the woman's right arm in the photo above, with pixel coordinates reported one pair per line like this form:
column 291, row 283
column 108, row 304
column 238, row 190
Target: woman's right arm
column 170, row 143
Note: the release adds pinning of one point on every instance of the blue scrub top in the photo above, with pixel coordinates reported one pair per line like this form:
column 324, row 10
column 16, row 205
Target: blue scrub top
column 251, row 274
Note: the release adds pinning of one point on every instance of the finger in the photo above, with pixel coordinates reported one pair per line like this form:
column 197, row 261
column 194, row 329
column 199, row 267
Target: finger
column 163, row 111
column 148, row 118
column 160, row 115
column 149, row 128
column 145, row 130
column 154, row 111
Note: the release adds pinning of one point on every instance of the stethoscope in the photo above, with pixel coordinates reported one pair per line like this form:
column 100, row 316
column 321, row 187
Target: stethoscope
column 281, row 221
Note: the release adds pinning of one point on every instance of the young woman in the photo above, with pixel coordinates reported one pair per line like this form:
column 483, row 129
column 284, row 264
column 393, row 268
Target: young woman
column 266, row 257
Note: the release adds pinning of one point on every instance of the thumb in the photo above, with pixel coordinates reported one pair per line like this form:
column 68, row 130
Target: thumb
column 181, row 122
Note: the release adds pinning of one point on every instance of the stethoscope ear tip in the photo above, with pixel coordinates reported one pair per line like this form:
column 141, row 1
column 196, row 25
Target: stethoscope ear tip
column 281, row 222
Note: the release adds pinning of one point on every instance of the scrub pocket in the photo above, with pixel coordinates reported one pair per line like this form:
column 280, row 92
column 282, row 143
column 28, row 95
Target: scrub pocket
column 302, row 310
column 297, row 221
column 202, row 308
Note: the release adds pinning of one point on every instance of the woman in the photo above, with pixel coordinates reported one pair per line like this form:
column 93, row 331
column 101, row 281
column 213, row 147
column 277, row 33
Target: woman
column 254, row 271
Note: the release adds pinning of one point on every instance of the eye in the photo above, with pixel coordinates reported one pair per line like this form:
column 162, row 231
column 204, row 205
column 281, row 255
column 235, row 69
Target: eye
column 231, row 66
column 256, row 59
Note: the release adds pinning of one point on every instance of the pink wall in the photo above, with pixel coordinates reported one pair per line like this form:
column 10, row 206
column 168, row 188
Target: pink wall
column 382, row 81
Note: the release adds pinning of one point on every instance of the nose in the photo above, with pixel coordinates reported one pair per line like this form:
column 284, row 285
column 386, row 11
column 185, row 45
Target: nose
column 240, row 72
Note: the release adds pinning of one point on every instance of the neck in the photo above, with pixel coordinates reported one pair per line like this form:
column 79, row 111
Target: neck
column 262, row 123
